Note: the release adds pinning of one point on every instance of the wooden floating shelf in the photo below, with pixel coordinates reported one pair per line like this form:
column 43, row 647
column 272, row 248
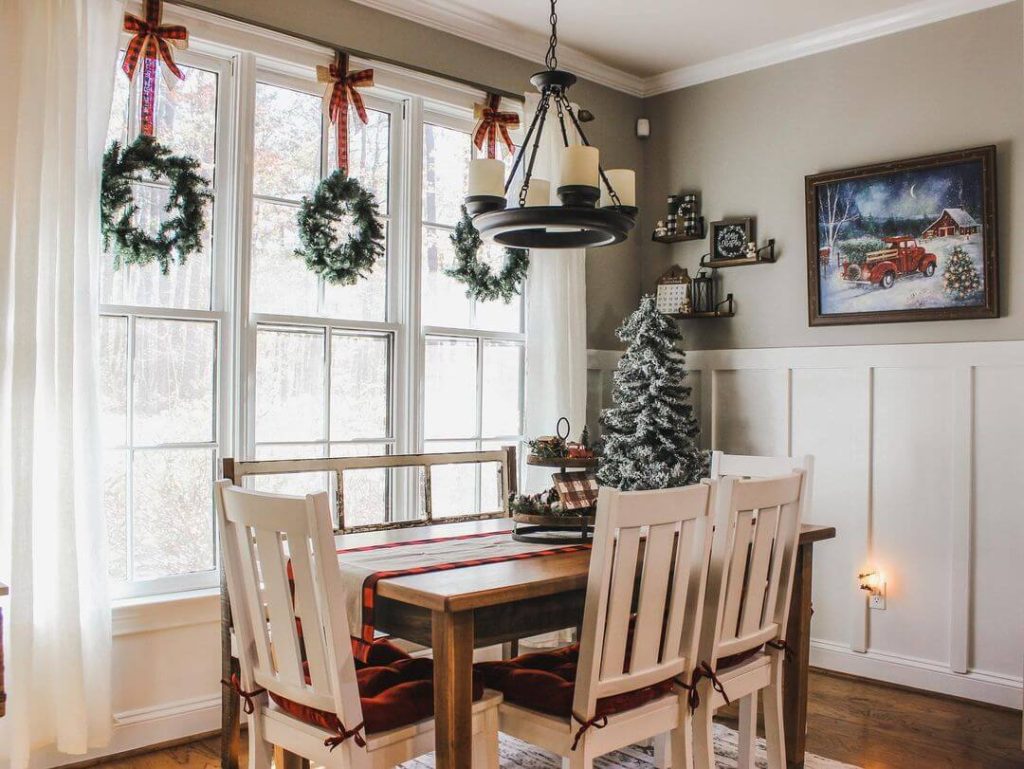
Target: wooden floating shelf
column 696, row 315
column 679, row 237
column 765, row 255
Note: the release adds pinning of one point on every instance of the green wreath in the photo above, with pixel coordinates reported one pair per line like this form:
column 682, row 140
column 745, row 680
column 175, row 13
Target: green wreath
column 481, row 282
column 340, row 260
column 178, row 236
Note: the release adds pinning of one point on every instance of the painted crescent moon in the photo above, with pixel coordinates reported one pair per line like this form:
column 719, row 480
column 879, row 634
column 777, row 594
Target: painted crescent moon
column 912, row 190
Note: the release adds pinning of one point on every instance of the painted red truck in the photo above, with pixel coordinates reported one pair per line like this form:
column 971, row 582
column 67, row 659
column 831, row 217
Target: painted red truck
column 902, row 256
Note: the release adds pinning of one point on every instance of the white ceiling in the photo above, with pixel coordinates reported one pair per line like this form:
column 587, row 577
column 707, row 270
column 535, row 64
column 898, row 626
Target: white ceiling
column 649, row 46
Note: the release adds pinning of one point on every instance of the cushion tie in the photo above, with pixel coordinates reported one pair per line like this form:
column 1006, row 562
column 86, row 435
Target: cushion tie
column 248, row 707
column 782, row 646
column 598, row 722
column 692, row 695
column 344, row 734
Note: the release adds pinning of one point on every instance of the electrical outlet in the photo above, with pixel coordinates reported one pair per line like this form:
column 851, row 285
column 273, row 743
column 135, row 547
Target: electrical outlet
column 877, row 600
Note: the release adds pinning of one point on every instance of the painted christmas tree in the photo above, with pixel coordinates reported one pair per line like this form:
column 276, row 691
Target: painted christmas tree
column 650, row 434
column 960, row 279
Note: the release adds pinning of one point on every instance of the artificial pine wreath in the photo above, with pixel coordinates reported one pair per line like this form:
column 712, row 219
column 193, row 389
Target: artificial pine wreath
column 340, row 260
column 180, row 235
column 481, row 282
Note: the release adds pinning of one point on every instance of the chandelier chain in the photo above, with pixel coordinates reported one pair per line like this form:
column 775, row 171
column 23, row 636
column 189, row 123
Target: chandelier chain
column 551, row 60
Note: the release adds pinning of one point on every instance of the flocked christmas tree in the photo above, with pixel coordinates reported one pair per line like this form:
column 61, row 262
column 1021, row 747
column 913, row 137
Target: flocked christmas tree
column 961, row 279
column 650, row 433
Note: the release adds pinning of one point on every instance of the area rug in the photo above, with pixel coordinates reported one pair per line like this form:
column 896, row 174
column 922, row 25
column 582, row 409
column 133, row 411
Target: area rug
column 516, row 754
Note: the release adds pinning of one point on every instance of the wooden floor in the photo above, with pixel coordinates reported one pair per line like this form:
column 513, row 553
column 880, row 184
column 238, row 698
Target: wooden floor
column 866, row 724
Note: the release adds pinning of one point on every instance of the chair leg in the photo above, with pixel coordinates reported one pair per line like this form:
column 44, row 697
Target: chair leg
column 773, row 729
column 703, row 732
column 661, row 751
column 261, row 752
column 747, row 731
column 485, row 742
column 681, row 740
column 579, row 759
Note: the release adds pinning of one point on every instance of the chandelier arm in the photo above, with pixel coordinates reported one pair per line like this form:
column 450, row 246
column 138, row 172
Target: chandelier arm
column 579, row 129
column 561, row 122
column 542, row 112
column 522, row 149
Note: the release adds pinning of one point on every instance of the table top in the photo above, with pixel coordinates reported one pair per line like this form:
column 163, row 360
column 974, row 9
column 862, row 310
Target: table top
column 475, row 587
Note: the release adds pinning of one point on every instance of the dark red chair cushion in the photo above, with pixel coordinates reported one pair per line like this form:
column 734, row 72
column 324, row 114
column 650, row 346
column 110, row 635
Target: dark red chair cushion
column 394, row 690
column 546, row 681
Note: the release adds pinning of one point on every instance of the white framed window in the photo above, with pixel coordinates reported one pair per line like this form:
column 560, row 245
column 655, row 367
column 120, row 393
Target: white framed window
column 244, row 352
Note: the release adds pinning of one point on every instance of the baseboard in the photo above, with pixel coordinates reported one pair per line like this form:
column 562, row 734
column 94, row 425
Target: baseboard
column 926, row 675
column 143, row 728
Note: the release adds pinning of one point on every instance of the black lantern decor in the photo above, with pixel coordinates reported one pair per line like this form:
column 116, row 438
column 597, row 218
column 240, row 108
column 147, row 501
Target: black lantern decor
column 585, row 218
column 703, row 289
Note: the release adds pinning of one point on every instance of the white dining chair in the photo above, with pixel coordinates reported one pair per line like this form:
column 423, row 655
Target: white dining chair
column 645, row 589
column 750, row 582
column 755, row 466
column 281, row 566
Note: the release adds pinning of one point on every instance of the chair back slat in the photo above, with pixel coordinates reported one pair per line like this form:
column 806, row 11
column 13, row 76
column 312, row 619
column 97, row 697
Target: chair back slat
column 282, row 570
column 753, row 556
column 650, row 556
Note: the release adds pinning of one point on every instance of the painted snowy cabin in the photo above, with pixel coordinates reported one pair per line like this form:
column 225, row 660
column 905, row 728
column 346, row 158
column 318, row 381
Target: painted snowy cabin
column 953, row 221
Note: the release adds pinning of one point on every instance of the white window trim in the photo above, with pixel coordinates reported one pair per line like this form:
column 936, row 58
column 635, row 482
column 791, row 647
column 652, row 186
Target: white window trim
column 243, row 54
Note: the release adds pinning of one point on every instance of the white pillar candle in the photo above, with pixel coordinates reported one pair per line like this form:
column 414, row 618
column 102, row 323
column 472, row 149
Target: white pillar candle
column 537, row 194
column 487, row 177
column 623, row 181
column 579, row 166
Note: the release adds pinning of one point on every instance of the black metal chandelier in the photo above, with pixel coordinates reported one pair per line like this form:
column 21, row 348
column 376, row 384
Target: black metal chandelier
column 585, row 218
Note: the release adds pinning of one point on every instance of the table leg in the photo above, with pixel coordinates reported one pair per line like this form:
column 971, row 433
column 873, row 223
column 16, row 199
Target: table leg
column 794, row 676
column 230, row 710
column 453, row 688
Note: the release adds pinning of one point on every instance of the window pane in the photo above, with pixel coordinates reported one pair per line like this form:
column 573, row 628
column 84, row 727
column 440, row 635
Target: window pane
column 503, row 375
column 453, row 487
column 364, row 300
column 497, row 315
column 444, row 299
column 366, row 491
column 450, row 392
column 174, row 381
column 280, row 282
column 296, row 484
column 446, row 155
column 286, row 160
column 113, row 356
column 117, row 128
column 185, row 285
column 369, row 148
column 289, row 385
column 360, row 375
column 490, row 479
column 172, row 506
column 186, row 115
column 115, row 490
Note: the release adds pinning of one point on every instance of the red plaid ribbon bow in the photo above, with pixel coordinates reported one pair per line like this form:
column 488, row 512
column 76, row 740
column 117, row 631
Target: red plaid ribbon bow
column 152, row 42
column 490, row 122
column 340, row 92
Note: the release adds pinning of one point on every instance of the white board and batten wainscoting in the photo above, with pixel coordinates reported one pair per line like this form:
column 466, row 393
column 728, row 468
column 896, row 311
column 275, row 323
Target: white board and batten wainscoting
column 919, row 463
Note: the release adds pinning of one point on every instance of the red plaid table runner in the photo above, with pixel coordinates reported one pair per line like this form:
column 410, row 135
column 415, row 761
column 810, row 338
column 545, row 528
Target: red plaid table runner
column 369, row 590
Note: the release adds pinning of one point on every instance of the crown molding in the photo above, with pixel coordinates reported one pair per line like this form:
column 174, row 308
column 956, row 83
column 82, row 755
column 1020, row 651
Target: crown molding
column 468, row 23
column 857, row 31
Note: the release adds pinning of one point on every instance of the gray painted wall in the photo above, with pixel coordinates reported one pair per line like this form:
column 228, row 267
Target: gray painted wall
column 613, row 274
column 747, row 142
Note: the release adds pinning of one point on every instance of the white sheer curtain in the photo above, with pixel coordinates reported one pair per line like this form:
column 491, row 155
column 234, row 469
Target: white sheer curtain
column 556, row 322
column 57, row 59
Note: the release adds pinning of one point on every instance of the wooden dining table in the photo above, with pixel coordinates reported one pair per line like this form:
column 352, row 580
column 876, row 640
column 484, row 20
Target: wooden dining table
column 455, row 612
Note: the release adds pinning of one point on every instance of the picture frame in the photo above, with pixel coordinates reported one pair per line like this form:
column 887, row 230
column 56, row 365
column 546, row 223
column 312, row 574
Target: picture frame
column 729, row 238
column 901, row 241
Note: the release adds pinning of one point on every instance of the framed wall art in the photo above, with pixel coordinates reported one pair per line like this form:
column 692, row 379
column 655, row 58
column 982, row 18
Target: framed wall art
column 904, row 241
column 729, row 238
